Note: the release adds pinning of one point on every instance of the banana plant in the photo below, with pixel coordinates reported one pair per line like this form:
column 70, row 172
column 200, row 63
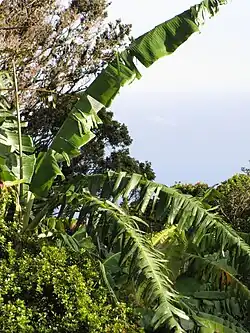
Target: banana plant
column 17, row 159
column 10, row 142
column 104, row 203
column 193, row 273
column 163, row 40
column 75, row 132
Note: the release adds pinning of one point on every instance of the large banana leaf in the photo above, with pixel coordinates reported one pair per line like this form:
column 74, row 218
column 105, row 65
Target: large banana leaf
column 215, row 268
column 167, row 207
column 211, row 324
column 163, row 40
column 112, row 229
column 213, row 310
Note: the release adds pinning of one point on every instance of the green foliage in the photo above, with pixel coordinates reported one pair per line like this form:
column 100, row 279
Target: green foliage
column 9, row 144
column 234, row 202
column 52, row 291
column 77, row 129
column 197, row 190
column 58, row 64
column 57, row 55
column 214, row 297
column 109, row 149
column 8, row 217
column 121, row 161
column 45, row 289
column 194, row 241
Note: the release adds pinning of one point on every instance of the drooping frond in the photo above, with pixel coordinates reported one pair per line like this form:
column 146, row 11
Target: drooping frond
column 105, row 203
column 166, row 206
column 220, row 290
column 111, row 227
column 213, row 324
column 220, row 309
column 219, row 273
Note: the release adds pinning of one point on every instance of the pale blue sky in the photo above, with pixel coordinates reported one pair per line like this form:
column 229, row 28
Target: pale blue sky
column 190, row 113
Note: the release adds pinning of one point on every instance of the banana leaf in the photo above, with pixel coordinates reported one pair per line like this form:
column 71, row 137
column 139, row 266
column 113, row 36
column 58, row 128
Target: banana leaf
column 76, row 131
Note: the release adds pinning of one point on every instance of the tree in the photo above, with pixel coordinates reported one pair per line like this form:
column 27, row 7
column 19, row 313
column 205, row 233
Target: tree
column 121, row 161
column 234, row 201
column 197, row 190
column 108, row 151
column 64, row 48
column 57, row 50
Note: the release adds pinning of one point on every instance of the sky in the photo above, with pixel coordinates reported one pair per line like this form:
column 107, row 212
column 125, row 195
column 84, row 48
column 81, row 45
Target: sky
column 190, row 113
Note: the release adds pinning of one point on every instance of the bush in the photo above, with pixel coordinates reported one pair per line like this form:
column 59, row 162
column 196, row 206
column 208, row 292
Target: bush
column 196, row 190
column 45, row 289
column 234, row 202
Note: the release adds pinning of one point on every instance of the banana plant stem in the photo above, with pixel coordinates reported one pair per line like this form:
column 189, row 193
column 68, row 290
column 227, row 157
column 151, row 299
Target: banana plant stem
column 19, row 129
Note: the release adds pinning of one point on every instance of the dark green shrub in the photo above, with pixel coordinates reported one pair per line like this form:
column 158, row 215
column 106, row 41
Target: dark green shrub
column 44, row 289
column 234, row 202
column 196, row 190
